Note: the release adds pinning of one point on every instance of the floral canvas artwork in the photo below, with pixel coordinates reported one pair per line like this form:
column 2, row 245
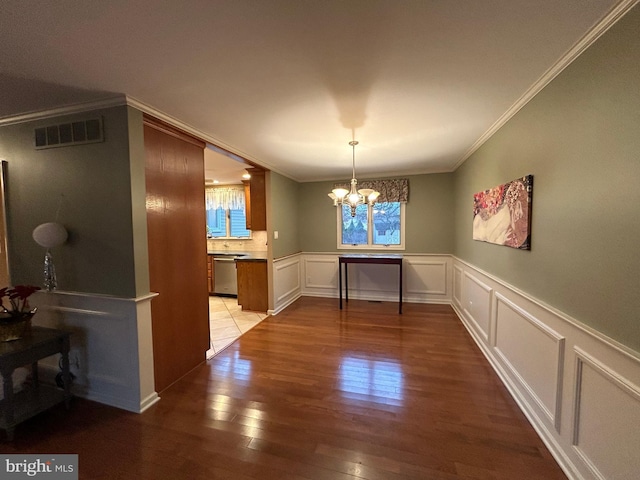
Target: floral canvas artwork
column 502, row 215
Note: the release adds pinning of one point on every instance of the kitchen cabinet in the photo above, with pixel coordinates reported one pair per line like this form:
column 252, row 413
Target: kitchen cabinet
column 210, row 274
column 252, row 285
column 256, row 200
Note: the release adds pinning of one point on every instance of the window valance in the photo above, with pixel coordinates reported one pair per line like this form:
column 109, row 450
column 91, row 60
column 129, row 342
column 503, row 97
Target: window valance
column 231, row 198
column 391, row 190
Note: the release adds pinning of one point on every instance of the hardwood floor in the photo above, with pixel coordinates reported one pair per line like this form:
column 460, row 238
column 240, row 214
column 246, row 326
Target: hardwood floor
column 315, row 393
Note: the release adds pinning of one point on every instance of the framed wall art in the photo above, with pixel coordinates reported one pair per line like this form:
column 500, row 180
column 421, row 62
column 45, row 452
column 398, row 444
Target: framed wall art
column 502, row 214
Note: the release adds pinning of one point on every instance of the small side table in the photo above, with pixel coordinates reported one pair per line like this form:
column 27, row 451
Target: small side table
column 367, row 259
column 38, row 344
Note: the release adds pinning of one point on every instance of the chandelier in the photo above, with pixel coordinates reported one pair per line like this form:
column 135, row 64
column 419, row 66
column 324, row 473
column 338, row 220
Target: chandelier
column 353, row 197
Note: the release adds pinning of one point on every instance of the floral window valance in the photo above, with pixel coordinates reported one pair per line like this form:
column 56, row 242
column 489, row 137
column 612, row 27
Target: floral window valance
column 231, row 198
column 392, row 190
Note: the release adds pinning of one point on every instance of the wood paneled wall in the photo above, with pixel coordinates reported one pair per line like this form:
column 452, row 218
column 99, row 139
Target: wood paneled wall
column 177, row 250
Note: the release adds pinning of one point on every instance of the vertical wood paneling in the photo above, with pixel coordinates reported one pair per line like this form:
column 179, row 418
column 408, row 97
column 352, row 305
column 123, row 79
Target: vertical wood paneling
column 177, row 253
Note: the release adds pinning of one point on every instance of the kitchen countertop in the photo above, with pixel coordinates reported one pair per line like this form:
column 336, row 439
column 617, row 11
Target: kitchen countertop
column 242, row 256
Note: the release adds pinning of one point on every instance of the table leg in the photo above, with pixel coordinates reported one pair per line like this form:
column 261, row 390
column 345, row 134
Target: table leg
column 66, row 375
column 35, row 381
column 7, row 386
column 400, row 293
column 340, row 282
column 346, row 282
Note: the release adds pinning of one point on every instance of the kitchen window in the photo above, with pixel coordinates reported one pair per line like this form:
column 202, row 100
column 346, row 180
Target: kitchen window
column 226, row 213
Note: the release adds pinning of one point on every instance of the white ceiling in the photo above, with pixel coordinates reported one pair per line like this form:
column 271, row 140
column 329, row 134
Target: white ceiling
column 288, row 83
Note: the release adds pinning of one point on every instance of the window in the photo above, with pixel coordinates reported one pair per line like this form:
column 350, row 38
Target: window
column 226, row 216
column 378, row 226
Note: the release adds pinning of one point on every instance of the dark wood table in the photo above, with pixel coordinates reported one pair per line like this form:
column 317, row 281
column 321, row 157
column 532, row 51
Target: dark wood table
column 39, row 343
column 367, row 259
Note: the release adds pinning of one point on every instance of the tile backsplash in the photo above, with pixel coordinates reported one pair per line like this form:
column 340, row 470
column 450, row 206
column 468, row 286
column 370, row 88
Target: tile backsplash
column 257, row 243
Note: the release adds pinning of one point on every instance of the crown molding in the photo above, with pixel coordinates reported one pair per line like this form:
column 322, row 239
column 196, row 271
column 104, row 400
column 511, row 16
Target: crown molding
column 615, row 14
column 179, row 124
column 112, row 101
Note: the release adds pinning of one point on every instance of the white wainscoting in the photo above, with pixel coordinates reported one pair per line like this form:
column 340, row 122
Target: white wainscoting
column 426, row 278
column 287, row 274
column 111, row 346
column 578, row 388
column 606, row 419
column 476, row 301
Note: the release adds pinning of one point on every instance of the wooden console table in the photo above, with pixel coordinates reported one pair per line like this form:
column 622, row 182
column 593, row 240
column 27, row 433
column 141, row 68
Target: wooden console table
column 368, row 259
column 35, row 398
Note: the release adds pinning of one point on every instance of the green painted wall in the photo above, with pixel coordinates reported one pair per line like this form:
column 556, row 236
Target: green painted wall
column 94, row 183
column 316, row 218
column 429, row 215
column 580, row 138
column 137, row 163
column 284, row 199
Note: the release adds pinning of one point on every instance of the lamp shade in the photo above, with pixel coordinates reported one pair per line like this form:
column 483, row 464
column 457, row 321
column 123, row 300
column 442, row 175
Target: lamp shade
column 50, row 234
column 340, row 193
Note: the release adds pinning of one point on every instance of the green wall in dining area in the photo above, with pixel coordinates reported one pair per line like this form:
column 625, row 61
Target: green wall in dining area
column 579, row 138
column 428, row 215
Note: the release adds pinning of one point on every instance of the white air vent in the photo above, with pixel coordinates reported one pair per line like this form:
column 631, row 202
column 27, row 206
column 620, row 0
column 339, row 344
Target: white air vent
column 73, row 133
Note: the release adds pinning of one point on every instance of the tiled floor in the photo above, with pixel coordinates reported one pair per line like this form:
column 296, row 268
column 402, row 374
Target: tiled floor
column 227, row 322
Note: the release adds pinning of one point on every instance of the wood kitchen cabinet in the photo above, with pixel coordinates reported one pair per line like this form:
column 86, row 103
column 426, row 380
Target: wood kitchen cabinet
column 256, row 200
column 252, row 285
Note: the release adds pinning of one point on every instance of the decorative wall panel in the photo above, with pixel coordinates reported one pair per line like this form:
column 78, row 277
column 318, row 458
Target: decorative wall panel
column 606, row 423
column 425, row 277
column 589, row 420
column 476, row 302
column 533, row 353
column 286, row 282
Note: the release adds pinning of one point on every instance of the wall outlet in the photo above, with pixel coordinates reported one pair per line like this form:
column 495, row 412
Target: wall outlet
column 275, row 234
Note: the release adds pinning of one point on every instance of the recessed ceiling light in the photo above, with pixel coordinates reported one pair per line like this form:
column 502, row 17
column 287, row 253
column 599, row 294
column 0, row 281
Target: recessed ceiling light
column 216, row 181
column 246, row 176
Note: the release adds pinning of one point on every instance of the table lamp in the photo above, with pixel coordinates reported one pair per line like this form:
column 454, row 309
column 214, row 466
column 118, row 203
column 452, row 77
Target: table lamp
column 49, row 235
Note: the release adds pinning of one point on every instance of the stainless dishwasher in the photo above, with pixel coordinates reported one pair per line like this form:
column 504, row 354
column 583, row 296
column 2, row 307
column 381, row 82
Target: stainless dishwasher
column 224, row 276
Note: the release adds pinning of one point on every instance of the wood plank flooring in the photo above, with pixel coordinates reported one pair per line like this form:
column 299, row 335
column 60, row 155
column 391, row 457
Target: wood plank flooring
column 315, row 393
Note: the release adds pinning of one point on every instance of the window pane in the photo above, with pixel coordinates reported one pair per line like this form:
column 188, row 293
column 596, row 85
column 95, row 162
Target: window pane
column 216, row 223
column 354, row 229
column 239, row 224
column 386, row 223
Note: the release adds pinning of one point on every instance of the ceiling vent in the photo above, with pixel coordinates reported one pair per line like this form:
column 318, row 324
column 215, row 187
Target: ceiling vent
column 73, row 133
